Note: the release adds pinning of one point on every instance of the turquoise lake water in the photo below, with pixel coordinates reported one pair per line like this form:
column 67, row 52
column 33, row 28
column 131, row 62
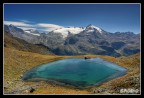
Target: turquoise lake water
column 76, row 72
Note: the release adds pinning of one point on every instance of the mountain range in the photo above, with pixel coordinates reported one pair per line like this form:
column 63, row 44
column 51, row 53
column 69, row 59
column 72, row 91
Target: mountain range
column 79, row 40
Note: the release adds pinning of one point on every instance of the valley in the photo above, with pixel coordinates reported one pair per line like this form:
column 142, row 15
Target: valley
column 21, row 55
column 72, row 49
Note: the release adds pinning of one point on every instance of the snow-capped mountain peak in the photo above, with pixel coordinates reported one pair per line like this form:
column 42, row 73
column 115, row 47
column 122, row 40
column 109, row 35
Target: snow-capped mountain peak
column 75, row 30
column 92, row 27
column 65, row 31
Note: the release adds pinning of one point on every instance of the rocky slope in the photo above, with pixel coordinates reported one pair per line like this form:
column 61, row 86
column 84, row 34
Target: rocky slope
column 77, row 41
column 15, row 43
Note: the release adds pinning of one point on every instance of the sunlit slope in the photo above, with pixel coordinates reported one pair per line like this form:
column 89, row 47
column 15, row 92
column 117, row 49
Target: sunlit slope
column 17, row 62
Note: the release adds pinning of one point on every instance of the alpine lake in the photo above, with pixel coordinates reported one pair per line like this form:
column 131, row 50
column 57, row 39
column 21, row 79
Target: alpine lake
column 75, row 72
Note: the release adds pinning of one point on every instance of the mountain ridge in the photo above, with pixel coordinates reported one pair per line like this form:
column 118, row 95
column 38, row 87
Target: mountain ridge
column 89, row 40
column 15, row 43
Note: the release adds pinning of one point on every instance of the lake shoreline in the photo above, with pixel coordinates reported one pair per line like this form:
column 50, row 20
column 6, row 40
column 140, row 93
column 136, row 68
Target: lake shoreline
column 69, row 83
column 14, row 69
column 73, row 68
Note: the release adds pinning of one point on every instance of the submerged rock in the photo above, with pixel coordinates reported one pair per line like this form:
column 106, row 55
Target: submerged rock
column 86, row 58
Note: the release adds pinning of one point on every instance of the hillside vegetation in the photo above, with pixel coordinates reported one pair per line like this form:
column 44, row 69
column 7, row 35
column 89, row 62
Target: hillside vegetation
column 17, row 62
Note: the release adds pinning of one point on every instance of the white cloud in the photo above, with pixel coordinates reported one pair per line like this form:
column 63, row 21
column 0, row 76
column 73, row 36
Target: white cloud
column 27, row 28
column 15, row 23
column 26, row 21
column 49, row 27
column 23, row 24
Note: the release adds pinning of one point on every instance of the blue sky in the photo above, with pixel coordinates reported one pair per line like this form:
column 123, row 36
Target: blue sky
column 110, row 17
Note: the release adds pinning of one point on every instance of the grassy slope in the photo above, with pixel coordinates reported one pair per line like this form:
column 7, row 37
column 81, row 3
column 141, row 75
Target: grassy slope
column 19, row 44
column 130, row 81
column 17, row 62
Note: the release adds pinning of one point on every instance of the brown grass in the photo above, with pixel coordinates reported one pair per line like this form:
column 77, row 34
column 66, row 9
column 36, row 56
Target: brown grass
column 17, row 62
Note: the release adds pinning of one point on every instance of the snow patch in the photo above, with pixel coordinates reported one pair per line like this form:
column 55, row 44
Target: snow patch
column 65, row 31
column 32, row 33
column 99, row 29
column 90, row 31
column 94, row 27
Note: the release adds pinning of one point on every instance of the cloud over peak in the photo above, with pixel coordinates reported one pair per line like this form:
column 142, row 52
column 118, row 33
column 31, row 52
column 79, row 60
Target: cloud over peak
column 23, row 24
column 15, row 23
column 49, row 27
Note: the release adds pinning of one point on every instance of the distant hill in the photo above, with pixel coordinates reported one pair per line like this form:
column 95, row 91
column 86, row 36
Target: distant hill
column 13, row 42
